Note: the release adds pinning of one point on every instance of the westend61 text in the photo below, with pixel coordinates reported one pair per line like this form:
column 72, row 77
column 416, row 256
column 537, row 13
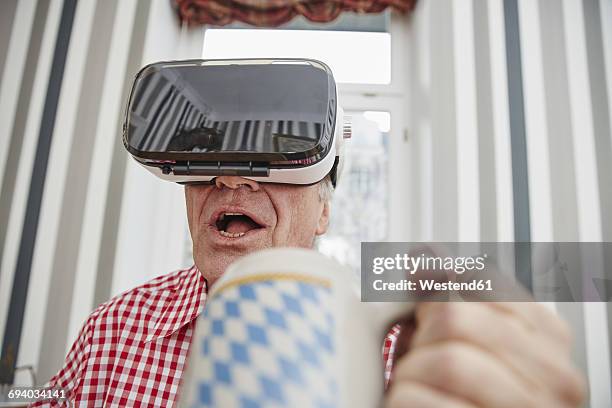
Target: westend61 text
column 430, row 284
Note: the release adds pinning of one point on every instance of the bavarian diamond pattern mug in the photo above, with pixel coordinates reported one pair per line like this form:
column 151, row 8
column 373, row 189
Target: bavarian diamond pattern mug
column 285, row 327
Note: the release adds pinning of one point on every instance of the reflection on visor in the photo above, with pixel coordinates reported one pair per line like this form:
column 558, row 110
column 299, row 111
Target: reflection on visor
column 231, row 108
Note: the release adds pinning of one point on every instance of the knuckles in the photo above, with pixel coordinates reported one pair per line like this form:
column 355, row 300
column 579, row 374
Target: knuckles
column 451, row 363
column 441, row 313
column 453, row 324
column 446, row 321
column 445, row 364
column 572, row 386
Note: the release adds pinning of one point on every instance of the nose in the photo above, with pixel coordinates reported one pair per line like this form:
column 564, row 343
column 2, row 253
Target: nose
column 235, row 182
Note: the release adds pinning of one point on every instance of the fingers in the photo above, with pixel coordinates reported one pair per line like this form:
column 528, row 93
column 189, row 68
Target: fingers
column 459, row 369
column 416, row 395
column 533, row 356
column 538, row 318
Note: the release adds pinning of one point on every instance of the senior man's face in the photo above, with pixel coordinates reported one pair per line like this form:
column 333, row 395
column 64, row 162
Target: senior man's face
column 238, row 216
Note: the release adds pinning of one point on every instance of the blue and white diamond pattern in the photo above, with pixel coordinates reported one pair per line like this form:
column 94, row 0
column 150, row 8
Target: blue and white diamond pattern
column 266, row 343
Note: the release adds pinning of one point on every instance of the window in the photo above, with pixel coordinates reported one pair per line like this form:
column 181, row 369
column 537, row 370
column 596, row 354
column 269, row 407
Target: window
column 360, row 207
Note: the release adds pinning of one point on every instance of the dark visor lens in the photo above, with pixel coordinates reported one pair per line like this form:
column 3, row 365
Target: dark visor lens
column 257, row 108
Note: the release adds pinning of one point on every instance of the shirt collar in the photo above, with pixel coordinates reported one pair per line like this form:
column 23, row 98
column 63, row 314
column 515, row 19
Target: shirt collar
column 183, row 306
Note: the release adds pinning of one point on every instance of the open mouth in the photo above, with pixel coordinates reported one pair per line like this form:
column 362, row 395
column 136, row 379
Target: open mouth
column 235, row 225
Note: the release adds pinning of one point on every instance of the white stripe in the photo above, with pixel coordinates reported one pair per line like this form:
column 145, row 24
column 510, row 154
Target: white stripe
column 501, row 123
column 605, row 8
column 535, row 122
column 598, row 356
column 468, row 182
column 426, row 193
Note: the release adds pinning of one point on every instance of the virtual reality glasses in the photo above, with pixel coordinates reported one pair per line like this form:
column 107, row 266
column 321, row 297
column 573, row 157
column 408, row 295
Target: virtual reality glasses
column 270, row 120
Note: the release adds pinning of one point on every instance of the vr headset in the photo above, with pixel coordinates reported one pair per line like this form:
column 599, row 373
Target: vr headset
column 269, row 120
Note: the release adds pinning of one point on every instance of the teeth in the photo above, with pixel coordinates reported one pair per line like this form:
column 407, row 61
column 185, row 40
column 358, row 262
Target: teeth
column 231, row 234
column 222, row 216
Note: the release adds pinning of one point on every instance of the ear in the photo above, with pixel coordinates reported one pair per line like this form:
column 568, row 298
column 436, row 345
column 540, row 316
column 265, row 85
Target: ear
column 323, row 220
column 189, row 203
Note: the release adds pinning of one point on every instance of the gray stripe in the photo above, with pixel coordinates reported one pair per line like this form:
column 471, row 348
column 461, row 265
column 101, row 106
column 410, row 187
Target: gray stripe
column 7, row 16
column 268, row 129
column 486, row 132
column 520, row 174
column 254, row 138
column 231, row 139
column 443, row 124
column 224, row 127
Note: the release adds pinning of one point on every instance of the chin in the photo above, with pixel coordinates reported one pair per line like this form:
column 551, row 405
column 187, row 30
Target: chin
column 213, row 263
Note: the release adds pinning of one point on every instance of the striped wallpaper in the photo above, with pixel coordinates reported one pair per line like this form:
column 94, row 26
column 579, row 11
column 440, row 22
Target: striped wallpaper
column 74, row 246
column 510, row 136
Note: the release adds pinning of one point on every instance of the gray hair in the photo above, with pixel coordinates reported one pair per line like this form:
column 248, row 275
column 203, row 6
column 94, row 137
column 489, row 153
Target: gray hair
column 326, row 193
column 326, row 189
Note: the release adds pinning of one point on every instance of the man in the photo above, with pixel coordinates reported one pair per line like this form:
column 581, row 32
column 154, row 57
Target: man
column 132, row 349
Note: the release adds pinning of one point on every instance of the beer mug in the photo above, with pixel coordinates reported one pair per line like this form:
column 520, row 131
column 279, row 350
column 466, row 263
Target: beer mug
column 285, row 327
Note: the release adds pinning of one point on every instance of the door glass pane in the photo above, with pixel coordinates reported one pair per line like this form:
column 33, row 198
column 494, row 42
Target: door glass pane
column 359, row 209
column 369, row 63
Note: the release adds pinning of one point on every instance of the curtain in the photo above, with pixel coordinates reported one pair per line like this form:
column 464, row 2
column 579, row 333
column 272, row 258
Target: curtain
column 272, row 13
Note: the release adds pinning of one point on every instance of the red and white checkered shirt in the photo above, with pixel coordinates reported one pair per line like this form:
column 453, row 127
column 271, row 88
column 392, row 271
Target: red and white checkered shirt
column 132, row 349
column 389, row 351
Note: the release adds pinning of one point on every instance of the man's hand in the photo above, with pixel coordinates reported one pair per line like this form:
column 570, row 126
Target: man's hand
column 486, row 355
